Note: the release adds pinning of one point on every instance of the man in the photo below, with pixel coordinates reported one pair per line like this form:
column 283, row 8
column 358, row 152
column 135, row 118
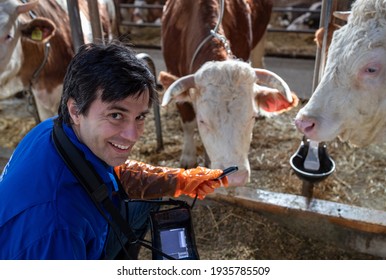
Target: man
column 44, row 211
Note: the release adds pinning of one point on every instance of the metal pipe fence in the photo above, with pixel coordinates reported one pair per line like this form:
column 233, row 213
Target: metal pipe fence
column 283, row 10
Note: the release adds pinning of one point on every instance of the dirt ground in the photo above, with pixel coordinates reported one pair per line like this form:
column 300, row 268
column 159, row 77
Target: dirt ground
column 227, row 232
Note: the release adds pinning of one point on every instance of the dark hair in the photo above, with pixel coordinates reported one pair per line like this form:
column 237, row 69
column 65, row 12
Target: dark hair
column 112, row 69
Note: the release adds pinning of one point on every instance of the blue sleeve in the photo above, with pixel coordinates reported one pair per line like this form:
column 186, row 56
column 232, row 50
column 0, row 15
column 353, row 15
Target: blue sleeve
column 28, row 238
column 59, row 245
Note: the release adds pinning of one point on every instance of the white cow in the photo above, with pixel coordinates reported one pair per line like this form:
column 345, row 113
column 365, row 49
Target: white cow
column 227, row 96
column 350, row 100
column 24, row 38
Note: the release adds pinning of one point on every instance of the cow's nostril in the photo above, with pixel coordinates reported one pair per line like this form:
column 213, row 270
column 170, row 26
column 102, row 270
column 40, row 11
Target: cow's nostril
column 305, row 125
column 309, row 128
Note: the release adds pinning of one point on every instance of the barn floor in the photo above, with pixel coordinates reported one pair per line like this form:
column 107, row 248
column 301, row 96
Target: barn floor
column 226, row 232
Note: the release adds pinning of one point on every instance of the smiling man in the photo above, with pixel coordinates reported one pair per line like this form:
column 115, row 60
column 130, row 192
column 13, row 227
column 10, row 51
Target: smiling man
column 44, row 211
column 110, row 130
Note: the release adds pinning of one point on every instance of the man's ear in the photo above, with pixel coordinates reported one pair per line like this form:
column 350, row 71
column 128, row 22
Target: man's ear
column 73, row 110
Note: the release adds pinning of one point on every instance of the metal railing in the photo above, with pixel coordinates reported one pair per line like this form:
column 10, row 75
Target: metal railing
column 270, row 29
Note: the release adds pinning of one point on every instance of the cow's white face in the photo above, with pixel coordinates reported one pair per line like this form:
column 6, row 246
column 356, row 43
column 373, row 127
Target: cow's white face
column 11, row 53
column 9, row 34
column 350, row 101
column 226, row 100
column 225, row 114
column 15, row 22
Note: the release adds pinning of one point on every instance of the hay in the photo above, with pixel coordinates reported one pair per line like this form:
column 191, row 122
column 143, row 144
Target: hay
column 225, row 232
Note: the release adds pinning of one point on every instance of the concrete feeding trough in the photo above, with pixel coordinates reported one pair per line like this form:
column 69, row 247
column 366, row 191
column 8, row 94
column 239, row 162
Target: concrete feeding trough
column 351, row 227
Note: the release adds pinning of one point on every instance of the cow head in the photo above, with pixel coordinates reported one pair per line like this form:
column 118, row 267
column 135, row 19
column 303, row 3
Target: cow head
column 227, row 97
column 12, row 28
column 349, row 101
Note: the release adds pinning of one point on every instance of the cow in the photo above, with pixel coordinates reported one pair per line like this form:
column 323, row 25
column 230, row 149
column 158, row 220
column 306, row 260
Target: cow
column 309, row 20
column 140, row 14
column 349, row 101
column 213, row 85
column 36, row 35
column 152, row 15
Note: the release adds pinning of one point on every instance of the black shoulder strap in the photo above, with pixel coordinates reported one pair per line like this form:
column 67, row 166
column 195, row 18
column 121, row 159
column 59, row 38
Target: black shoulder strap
column 90, row 180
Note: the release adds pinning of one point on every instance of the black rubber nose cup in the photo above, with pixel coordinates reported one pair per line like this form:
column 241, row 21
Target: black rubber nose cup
column 326, row 164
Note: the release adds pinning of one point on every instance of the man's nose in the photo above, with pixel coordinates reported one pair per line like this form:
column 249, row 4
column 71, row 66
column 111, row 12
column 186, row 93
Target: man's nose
column 131, row 132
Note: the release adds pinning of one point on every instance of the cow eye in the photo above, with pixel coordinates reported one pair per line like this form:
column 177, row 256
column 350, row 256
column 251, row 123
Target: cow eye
column 6, row 38
column 371, row 70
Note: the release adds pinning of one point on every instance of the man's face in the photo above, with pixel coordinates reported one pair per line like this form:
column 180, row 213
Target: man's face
column 110, row 130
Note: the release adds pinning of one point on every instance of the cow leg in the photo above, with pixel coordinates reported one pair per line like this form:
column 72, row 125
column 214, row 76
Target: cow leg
column 188, row 157
column 47, row 102
column 44, row 113
column 10, row 88
column 257, row 54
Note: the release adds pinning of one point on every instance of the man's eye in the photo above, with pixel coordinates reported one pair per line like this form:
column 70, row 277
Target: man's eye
column 141, row 117
column 116, row 116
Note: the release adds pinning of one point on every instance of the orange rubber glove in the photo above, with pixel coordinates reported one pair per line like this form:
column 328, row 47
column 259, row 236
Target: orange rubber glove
column 141, row 180
column 199, row 181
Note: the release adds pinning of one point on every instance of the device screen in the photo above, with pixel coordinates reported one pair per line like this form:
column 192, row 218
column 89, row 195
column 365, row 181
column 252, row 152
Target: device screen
column 173, row 242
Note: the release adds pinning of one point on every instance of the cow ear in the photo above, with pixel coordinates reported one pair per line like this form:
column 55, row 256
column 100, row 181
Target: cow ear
column 272, row 102
column 178, row 89
column 166, row 79
column 39, row 30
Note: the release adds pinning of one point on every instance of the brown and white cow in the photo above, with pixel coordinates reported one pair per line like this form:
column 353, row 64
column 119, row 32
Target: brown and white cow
column 140, row 14
column 22, row 47
column 220, row 94
column 349, row 101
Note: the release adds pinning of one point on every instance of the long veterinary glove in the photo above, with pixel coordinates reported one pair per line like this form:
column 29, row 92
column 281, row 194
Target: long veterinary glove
column 141, row 180
column 199, row 181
